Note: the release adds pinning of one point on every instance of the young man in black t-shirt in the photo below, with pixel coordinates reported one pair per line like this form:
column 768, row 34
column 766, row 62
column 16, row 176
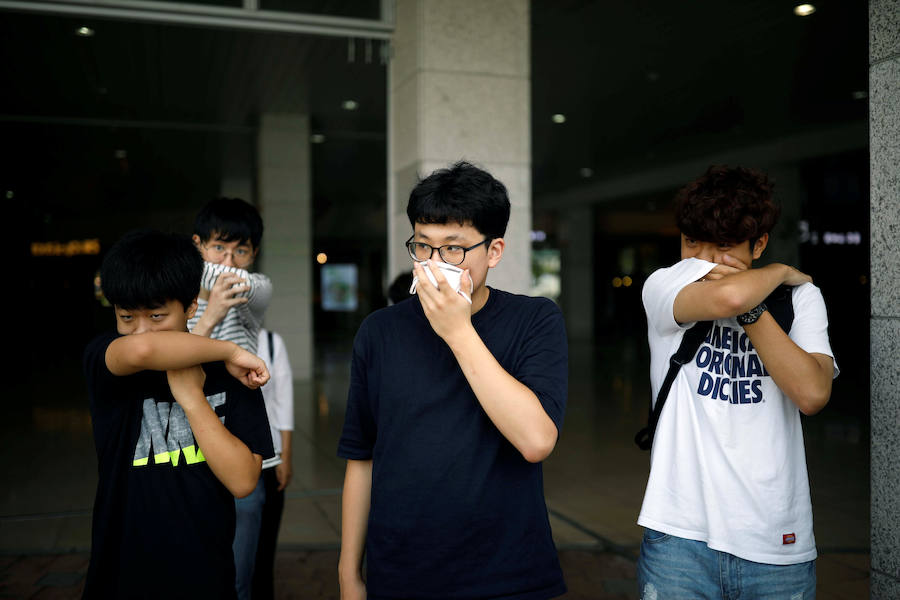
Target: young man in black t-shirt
column 455, row 399
column 180, row 428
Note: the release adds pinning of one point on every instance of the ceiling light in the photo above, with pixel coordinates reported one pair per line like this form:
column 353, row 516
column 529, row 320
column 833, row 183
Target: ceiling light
column 349, row 104
column 317, row 138
column 321, row 258
column 804, row 10
column 558, row 118
column 84, row 32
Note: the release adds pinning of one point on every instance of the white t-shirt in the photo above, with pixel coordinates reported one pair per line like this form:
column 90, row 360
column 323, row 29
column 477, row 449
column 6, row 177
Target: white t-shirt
column 278, row 393
column 728, row 465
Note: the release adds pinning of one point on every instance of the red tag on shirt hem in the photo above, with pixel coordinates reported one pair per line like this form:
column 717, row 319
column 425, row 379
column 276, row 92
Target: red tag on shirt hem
column 788, row 538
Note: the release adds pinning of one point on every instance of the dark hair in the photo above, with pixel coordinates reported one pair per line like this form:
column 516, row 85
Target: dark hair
column 727, row 204
column 231, row 219
column 461, row 194
column 146, row 269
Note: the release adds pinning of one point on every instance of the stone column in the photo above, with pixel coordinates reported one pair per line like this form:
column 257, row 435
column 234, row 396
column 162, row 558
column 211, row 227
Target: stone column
column 286, row 254
column 884, row 131
column 459, row 88
column 577, row 271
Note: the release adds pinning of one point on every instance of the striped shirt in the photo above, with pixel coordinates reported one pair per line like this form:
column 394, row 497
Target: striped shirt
column 242, row 323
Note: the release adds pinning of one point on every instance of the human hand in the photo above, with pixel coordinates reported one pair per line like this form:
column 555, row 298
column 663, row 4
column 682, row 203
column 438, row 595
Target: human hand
column 247, row 368
column 729, row 266
column 186, row 383
column 283, row 472
column 225, row 294
column 794, row 277
column 446, row 310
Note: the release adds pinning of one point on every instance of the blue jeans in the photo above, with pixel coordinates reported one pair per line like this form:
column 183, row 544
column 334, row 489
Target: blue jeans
column 673, row 567
column 248, row 516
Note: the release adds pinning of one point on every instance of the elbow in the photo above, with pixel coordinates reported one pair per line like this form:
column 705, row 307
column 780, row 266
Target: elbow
column 813, row 401
column 243, row 488
column 538, row 449
column 812, row 406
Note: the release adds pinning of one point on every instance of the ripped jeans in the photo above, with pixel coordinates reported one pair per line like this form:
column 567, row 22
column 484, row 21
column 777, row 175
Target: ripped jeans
column 671, row 567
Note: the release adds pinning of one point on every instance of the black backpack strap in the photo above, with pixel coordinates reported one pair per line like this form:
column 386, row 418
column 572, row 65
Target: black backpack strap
column 271, row 347
column 780, row 305
column 690, row 343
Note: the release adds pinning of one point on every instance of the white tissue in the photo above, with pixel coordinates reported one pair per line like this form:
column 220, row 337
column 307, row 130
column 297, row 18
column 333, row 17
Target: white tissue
column 452, row 274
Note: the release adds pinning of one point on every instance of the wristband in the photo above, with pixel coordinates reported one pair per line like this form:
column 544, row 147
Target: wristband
column 752, row 316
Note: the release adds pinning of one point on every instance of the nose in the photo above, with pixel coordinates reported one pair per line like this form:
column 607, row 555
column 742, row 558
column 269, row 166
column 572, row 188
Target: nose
column 142, row 326
column 228, row 261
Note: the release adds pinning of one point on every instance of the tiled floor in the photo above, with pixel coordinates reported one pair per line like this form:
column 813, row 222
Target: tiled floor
column 594, row 484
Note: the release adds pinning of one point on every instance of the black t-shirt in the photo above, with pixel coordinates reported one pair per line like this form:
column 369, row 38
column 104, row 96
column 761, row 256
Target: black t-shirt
column 163, row 524
column 456, row 511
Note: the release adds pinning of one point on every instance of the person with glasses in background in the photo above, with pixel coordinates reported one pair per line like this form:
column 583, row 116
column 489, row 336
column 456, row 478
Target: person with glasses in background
column 454, row 402
column 233, row 301
column 231, row 306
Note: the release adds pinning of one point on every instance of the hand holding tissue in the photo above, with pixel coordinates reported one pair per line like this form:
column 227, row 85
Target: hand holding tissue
column 452, row 274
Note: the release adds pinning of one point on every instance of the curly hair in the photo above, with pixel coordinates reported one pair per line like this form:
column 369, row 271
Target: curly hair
column 727, row 204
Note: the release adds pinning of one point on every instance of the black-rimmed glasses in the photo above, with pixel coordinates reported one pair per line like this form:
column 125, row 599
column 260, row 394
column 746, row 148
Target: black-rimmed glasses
column 450, row 253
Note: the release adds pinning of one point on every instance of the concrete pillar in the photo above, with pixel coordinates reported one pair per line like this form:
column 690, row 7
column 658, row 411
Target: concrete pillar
column 286, row 254
column 459, row 88
column 576, row 236
column 884, row 131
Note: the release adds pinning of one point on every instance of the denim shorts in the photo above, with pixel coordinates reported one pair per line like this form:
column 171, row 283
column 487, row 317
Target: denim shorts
column 671, row 567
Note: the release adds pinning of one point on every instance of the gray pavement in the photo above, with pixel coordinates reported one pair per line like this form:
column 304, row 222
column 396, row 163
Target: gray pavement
column 303, row 574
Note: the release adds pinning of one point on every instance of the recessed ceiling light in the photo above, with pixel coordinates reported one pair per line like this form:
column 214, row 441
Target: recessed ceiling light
column 804, row 10
column 321, row 258
column 317, row 138
column 558, row 118
column 349, row 104
column 84, row 32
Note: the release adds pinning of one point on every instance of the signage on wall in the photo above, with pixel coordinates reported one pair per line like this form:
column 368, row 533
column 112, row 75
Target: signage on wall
column 828, row 238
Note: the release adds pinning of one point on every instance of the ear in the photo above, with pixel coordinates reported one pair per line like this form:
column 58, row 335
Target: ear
column 191, row 309
column 196, row 239
column 760, row 245
column 495, row 252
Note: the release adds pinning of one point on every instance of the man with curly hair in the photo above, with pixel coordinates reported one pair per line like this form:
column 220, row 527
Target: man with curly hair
column 727, row 510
